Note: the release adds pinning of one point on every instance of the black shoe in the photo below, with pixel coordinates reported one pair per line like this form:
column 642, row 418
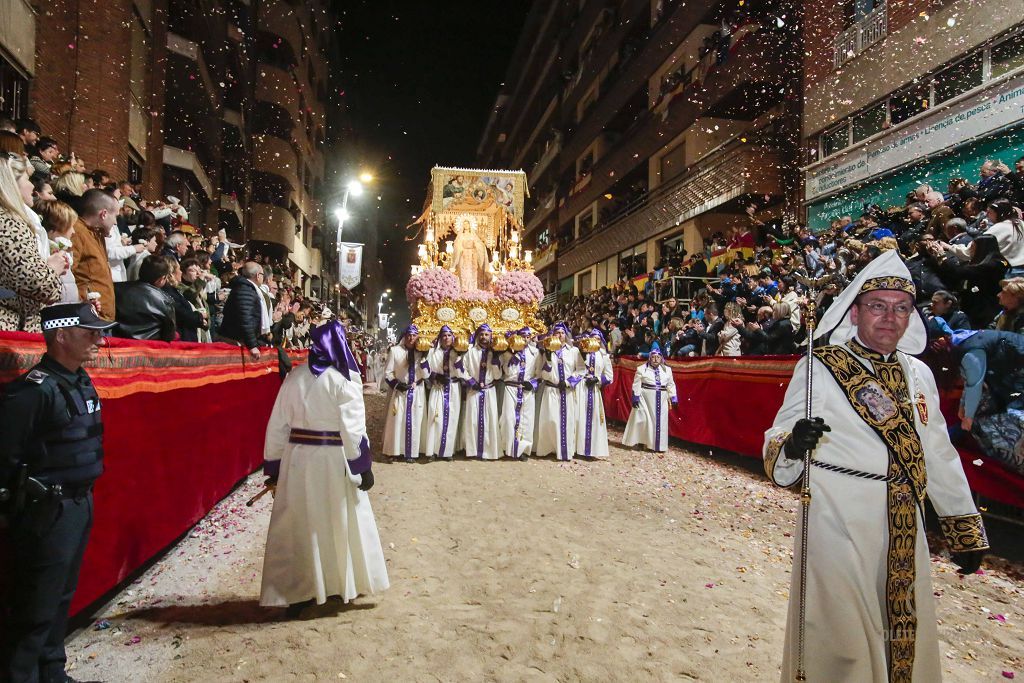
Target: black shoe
column 295, row 609
column 407, row 459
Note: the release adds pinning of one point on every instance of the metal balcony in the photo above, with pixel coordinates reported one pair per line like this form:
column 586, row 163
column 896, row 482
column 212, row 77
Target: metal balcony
column 861, row 35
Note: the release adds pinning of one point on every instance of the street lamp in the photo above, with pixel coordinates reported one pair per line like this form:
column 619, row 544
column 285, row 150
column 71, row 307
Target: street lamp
column 353, row 188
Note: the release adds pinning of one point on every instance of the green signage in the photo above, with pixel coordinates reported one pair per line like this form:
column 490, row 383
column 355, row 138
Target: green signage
column 962, row 162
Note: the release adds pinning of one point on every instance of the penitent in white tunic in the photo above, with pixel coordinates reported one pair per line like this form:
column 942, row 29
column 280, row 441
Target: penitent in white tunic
column 480, row 416
column 406, row 408
column 518, row 410
column 648, row 422
column 558, row 416
column 323, row 538
column 592, row 429
column 443, row 404
column 848, row 538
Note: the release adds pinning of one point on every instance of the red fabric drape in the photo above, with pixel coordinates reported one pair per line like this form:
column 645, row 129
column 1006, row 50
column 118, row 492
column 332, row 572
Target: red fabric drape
column 729, row 403
column 183, row 423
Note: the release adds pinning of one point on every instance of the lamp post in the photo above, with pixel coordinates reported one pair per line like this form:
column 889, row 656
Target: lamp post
column 352, row 188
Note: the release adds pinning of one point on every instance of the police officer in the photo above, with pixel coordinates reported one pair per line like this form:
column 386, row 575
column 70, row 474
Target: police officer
column 51, row 452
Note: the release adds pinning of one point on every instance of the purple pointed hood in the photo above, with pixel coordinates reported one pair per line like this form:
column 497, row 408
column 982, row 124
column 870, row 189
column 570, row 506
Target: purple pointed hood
column 330, row 349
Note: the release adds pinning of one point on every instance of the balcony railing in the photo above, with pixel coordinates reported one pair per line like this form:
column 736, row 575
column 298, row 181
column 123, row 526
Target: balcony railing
column 861, row 35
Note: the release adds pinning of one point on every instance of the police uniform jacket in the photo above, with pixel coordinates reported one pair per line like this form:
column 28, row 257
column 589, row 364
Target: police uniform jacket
column 50, row 419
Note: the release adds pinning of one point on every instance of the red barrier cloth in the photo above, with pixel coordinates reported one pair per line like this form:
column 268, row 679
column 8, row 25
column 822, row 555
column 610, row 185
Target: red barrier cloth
column 183, row 423
column 729, row 403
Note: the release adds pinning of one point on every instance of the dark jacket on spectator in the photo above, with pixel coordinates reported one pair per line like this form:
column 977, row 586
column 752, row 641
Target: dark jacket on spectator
column 143, row 312
column 242, row 314
column 776, row 337
column 710, row 336
column 188, row 320
column 978, row 281
column 995, row 187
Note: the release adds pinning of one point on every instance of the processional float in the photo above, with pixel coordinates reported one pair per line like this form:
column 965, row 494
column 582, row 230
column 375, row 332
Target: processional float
column 472, row 266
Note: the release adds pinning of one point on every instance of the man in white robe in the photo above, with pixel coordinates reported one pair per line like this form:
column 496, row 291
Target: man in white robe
column 481, row 368
column 404, row 373
column 878, row 443
column 518, row 410
column 443, row 405
column 654, row 394
column 558, row 417
column 322, row 539
column 595, row 367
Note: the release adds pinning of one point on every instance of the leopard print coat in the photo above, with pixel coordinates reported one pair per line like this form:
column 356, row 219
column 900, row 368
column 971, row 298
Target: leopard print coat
column 23, row 270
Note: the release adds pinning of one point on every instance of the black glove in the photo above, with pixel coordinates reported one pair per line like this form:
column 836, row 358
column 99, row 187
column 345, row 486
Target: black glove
column 402, row 386
column 367, row 482
column 805, row 436
column 592, row 381
column 527, row 386
column 969, row 561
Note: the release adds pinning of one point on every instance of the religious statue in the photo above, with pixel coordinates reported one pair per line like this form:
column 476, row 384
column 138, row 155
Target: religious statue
column 469, row 260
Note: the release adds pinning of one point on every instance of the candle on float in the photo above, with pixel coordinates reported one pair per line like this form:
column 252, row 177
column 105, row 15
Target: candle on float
column 528, row 256
column 449, row 246
column 430, row 234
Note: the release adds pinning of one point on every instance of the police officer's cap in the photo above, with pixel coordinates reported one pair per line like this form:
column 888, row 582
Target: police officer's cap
column 72, row 315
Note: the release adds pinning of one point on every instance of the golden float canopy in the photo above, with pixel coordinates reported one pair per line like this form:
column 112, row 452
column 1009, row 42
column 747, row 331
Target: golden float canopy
column 488, row 206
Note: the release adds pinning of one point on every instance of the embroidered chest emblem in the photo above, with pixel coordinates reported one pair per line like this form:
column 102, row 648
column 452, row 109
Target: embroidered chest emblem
column 922, row 408
column 874, row 399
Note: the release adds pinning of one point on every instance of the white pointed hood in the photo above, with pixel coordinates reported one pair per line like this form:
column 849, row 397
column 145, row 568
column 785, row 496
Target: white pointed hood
column 887, row 272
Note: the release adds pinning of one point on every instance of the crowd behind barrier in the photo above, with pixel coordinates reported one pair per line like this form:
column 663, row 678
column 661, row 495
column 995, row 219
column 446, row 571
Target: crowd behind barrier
column 743, row 295
column 68, row 234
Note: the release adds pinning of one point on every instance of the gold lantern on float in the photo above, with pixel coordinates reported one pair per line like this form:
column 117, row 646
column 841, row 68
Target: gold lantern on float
column 422, row 344
column 517, row 343
column 552, row 344
column 499, row 343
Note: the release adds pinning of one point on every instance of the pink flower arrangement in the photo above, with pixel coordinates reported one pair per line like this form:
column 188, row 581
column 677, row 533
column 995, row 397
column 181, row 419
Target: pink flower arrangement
column 520, row 286
column 476, row 295
column 432, row 285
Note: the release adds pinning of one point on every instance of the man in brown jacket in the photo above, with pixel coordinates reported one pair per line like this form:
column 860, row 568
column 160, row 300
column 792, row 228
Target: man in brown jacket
column 97, row 215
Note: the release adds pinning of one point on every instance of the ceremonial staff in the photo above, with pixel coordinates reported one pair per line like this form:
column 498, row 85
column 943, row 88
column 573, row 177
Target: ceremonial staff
column 813, row 285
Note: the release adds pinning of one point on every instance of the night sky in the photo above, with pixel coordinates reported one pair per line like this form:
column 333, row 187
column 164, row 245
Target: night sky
column 418, row 81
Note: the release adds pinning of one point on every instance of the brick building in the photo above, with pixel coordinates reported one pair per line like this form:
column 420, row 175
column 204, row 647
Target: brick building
column 221, row 103
column 907, row 92
column 645, row 126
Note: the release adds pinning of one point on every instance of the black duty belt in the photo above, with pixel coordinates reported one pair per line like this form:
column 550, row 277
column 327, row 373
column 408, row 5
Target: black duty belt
column 73, row 490
column 655, row 387
column 897, row 478
column 310, row 437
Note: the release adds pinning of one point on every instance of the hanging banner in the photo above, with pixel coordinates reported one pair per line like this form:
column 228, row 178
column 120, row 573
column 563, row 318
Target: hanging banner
column 350, row 268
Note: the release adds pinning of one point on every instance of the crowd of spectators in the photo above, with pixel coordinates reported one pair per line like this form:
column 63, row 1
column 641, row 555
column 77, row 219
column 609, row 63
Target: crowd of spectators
column 70, row 235
column 964, row 248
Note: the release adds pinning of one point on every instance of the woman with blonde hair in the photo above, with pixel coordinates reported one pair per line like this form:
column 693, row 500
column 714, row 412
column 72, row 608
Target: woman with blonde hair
column 729, row 338
column 59, row 220
column 69, row 188
column 34, row 281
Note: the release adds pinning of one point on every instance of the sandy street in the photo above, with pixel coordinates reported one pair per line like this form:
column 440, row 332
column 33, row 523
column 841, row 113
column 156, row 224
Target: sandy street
column 641, row 568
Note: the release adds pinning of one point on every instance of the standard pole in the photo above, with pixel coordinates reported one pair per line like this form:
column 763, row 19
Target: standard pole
column 805, row 486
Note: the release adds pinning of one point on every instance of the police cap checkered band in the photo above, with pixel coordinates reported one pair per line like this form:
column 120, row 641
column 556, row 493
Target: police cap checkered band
column 57, row 323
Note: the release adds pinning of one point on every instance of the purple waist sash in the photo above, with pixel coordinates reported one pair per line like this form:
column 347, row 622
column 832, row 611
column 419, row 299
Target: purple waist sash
column 310, row 437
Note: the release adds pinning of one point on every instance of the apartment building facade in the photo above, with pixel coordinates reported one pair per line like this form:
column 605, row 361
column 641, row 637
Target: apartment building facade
column 646, row 126
column 220, row 103
column 900, row 94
